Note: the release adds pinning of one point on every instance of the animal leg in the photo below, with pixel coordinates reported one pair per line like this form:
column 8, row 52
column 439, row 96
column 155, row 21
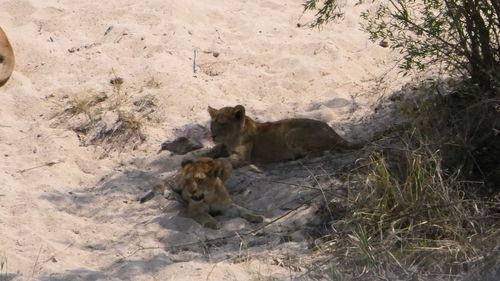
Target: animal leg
column 306, row 144
column 240, row 156
column 238, row 211
column 202, row 216
column 219, row 150
column 295, row 140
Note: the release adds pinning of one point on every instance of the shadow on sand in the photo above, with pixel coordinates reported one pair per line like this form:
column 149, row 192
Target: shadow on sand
column 291, row 195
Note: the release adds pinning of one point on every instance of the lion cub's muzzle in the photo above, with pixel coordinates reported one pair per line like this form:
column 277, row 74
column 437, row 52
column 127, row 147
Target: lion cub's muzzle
column 215, row 138
column 197, row 198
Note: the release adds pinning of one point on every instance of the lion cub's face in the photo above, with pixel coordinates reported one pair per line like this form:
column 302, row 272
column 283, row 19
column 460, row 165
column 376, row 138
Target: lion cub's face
column 226, row 123
column 200, row 178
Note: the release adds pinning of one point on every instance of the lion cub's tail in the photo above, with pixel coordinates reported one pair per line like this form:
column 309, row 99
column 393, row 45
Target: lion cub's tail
column 351, row 146
column 7, row 59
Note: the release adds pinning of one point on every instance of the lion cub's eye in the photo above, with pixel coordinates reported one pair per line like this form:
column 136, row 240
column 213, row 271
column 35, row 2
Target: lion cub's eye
column 199, row 180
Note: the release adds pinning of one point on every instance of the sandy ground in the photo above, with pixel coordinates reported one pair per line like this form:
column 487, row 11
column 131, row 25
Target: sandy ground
column 68, row 208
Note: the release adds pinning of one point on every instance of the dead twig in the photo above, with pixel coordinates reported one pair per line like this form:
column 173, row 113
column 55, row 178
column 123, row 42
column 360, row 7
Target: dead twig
column 320, row 188
column 36, row 262
column 46, row 164
column 195, row 51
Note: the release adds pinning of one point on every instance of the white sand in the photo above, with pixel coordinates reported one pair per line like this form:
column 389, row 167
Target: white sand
column 77, row 219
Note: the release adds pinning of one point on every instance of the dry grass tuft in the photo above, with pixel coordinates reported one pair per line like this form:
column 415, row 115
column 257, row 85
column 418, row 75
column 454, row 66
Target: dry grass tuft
column 411, row 219
column 113, row 122
column 3, row 267
column 425, row 207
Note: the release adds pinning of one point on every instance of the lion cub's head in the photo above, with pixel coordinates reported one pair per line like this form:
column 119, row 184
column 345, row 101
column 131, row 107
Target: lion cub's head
column 200, row 177
column 226, row 123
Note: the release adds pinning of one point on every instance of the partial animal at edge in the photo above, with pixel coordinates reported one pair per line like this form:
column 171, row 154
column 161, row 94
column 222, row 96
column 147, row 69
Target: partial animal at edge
column 7, row 58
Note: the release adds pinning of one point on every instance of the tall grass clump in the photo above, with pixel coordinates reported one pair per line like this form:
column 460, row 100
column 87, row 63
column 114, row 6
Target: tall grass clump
column 411, row 215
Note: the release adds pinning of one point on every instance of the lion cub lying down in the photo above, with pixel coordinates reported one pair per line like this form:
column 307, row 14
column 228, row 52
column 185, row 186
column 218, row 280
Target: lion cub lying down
column 201, row 184
column 246, row 141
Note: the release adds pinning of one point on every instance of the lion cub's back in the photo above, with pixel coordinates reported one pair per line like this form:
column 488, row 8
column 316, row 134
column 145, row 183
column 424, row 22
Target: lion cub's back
column 290, row 139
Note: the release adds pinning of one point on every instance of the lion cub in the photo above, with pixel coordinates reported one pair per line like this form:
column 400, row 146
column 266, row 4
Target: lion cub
column 246, row 141
column 201, row 184
column 7, row 58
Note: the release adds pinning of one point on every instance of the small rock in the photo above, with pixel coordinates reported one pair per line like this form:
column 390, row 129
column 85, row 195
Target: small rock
column 189, row 138
column 384, row 44
column 181, row 145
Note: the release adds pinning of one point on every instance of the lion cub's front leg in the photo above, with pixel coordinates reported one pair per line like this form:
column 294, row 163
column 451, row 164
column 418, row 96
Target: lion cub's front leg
column 241, row 155
column 225, row 205
column 218, row 151
column 199, row 212
column 238, row 157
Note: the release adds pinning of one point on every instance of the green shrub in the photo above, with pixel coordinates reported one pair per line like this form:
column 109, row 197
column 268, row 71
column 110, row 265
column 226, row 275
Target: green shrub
column 462, row 36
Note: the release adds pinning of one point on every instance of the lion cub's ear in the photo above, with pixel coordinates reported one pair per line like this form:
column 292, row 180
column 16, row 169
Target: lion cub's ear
column 217, row 170
column 221, row 169
column 212, row 111
column 239, row 112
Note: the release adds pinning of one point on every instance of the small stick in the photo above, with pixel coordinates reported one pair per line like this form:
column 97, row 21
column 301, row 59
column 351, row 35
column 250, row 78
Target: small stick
column 36, row 262
column 108, row 30
column 48, row 164
column 194, row 60
column 320, row 188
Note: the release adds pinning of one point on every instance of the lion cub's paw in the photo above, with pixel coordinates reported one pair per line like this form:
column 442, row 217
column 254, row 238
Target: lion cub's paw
column 212, row 225
column 255, row 218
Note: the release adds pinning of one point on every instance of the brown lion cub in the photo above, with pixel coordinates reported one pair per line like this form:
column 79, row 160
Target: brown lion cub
column 200, row 182
column 7, row 59
column 246, row 141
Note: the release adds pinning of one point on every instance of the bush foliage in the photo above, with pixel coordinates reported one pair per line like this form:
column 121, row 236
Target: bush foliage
column 463, row 36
